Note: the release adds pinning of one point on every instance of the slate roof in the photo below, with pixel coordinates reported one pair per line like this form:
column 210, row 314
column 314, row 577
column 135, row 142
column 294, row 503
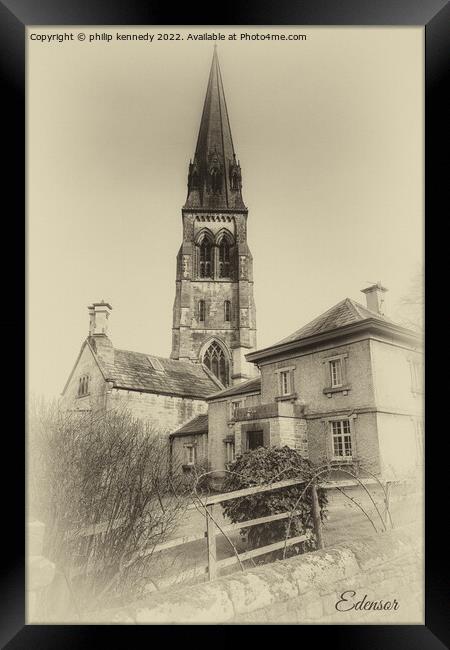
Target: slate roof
column 250, row 386
column 198, row 424
column 134, row 371
column 346, row 312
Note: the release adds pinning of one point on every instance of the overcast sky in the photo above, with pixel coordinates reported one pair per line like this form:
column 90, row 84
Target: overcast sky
column 329, row 133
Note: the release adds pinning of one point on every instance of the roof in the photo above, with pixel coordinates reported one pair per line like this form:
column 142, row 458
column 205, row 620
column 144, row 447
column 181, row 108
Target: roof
column 250, row 386
column 344, row 313
column 198, row 425
column 135, row 371
column 338, row 318
column 214, row 150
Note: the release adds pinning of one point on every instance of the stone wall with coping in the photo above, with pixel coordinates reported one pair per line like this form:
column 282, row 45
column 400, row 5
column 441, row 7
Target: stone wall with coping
column 304, row 589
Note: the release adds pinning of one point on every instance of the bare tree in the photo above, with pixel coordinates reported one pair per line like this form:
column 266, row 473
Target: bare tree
column 104, row 487
column 411, row 304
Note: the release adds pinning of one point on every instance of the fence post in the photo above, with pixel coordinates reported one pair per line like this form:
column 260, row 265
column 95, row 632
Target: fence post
column 386, row 503
column 211, row 538
column 316, row 516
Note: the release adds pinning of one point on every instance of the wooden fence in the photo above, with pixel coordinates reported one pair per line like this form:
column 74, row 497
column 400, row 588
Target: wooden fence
column 209, row 504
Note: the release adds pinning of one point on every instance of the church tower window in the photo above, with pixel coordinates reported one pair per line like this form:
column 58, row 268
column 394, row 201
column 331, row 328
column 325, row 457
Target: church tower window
column 216, row 361
column 201, row 310
column 224, row 259
column 227, row 311
column 205, row 254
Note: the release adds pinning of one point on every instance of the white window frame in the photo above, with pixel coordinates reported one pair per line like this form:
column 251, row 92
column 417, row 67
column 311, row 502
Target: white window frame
column 342, row 435
column 336, row 378
column 343, row 386
column 230, row 451
column 288, row 373
column 235, row 404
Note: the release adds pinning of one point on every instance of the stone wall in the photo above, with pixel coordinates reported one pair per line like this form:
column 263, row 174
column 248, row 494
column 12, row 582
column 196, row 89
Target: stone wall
column 179, row 459
column 167, row 413
column 85, row 365
column 311, row 377
column 319, row 587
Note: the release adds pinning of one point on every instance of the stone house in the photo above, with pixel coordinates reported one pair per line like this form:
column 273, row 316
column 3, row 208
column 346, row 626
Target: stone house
column 163, row 392
column 346, row 387
column 189, row 446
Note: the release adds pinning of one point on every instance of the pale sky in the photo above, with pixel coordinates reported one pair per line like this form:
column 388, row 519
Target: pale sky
column 329, row 134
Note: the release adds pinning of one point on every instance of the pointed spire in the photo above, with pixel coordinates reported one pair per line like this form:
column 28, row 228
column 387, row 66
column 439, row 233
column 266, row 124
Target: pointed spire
column 214, row 175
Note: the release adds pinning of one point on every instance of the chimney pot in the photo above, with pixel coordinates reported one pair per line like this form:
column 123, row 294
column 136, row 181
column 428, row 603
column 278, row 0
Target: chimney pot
column 375, row 298
column 98, row 318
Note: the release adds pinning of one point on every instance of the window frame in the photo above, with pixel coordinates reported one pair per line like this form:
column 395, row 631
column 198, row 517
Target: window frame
column 230, row 451
column 205, row 268
column 224, row 254
column 234, row 405
column 83, row 385
column 190, row 449
column 342, row 387
column 216, row 356
column 288, row 372
column 342, row 434
column 336, row 378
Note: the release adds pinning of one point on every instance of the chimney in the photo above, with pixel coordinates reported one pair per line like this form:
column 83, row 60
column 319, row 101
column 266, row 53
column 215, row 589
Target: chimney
column 98, row 318
column 375, row 298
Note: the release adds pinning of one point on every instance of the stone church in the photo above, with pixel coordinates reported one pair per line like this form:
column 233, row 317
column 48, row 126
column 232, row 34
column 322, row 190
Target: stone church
column 344, row 388
column 214, row 324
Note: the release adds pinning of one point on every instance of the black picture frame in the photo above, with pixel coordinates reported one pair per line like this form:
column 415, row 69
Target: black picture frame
column 15, row 15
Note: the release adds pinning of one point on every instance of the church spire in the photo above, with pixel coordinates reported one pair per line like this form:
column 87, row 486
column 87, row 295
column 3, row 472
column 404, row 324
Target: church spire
column 214, row 175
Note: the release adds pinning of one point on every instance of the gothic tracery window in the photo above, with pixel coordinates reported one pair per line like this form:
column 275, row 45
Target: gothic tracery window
column 205, row 258
column 224, row 258
column 216, row 361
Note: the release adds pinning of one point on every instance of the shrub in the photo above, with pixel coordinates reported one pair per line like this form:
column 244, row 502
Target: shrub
column 109, row 469
column 262, row 466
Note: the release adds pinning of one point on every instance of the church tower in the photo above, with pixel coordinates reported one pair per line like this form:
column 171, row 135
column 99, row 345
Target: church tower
column 214, row 311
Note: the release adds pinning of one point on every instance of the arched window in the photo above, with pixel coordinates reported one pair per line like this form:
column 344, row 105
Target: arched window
column 227, row 311
column 215, row 359
column 224, row 258
column 205, row 255
column 83, row 386
column 201, row 310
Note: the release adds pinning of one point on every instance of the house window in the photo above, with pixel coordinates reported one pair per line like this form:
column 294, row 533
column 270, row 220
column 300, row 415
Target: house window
column 230, row 451
column 189, row 454
column 234, row 407
column 224, row 258
column 285, row 381
column 227, row 311
column 205, row 254
column 201, row 310
column 83, row 386
column 416, row 376
column 342, row 440
column 336, row 372
column 255, row 439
